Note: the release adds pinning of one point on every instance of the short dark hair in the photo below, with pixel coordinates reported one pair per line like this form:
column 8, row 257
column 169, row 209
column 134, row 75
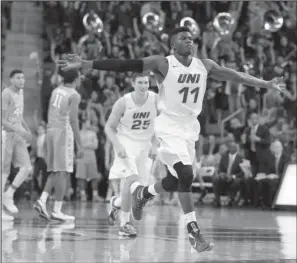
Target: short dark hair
column 14, row 72
column 69, row 76
column 252, row 113
column 136, row 75
column 177, row 30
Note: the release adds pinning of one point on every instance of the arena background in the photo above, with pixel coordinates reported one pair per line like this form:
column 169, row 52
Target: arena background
column 34, row 34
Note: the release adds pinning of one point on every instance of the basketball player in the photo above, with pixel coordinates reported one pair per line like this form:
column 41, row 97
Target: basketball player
column 130, row 129
column 15, row 135
column 62, row 129
column 182, row 83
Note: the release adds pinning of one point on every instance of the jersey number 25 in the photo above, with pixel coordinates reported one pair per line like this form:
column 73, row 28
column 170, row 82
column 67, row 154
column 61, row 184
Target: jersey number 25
column 139, row 124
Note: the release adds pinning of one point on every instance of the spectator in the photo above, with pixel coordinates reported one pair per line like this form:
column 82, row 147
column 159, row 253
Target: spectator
column 267, row 186
column 222, row 149
column 229, row 175
column 86, row 167
column 256, row 140
column 236, row 128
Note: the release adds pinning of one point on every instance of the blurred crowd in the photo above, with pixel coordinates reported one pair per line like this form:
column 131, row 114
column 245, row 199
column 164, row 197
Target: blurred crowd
column 5, row 25
column 244, row 163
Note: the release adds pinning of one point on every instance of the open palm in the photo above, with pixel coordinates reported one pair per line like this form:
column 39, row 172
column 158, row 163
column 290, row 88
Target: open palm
column 278, row 84
column 72, row 61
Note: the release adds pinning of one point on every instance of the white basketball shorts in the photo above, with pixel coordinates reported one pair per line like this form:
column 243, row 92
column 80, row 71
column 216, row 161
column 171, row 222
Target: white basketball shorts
column 137, row 160
column 177, row 137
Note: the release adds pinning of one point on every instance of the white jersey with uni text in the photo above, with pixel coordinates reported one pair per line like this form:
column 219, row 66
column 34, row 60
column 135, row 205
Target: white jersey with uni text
column 182, row 91
column 137, row 122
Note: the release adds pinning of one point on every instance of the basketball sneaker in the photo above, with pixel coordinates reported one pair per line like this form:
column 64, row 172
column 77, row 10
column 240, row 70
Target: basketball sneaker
column 113, row 212
column 7, row 201
column 40, row 207
column 61, row 216
column 139, row 202
column 127, row 230
column 196, row 239
column 6, row 217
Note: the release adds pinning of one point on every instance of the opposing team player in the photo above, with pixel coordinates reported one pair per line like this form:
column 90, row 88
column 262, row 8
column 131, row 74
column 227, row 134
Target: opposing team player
column 182, row 83
column 62, row 130
column 15, row 136
column 130, row 128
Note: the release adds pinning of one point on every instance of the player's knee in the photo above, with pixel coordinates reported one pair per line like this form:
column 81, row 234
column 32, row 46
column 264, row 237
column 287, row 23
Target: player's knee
column 27, row 169
column 185, row 176
column 170, row 183
column 131, row 179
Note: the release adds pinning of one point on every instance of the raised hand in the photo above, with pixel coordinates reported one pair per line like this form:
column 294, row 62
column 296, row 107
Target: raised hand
column 72, row 61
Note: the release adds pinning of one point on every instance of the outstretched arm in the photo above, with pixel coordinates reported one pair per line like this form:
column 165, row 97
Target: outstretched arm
column 151, row 63
column 220, row 73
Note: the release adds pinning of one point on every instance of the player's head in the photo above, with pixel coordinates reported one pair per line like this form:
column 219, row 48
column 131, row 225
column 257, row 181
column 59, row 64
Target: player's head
column 71, row 77
column 181, row 41
column 140, row 82
column 17, row 78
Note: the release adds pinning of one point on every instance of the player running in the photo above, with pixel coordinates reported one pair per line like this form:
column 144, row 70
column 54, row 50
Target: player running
column 130, row 128
column 62, row 130
column 182, row 83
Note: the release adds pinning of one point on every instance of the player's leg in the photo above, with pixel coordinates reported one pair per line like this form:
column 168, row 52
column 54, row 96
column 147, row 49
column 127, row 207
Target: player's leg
column 180, row 166
column 21, row 159
column 64, row 164
column 40, row 204
column 81, row 177
column 126, row 169
column 126, row 228
column 60, row 190
column 6, row 157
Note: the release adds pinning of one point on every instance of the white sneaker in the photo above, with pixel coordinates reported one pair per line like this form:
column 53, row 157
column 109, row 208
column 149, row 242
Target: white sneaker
column 6, row 217
column 40, row 207
column 7, row 201
column 62, row 217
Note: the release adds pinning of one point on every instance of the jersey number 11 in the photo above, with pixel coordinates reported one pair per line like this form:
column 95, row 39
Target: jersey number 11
column 57, row 100
column 185, row 92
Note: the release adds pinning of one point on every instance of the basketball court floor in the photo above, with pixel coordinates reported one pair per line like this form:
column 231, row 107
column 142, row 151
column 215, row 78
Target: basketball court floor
column 240, row 235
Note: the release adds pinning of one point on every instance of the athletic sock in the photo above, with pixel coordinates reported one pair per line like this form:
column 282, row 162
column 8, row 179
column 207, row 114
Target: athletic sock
column 125, row 218
column 43, row 197
column 58, row 206
column 117, row 202
column 146, row 193
column 190, row 217
column 133, row 187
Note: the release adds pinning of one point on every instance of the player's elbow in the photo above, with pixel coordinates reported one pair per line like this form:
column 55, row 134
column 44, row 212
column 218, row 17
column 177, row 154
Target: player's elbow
column 27, row 169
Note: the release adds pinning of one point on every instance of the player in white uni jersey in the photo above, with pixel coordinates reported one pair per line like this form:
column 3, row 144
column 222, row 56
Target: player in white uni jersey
column 130, row 128
column 182, row 82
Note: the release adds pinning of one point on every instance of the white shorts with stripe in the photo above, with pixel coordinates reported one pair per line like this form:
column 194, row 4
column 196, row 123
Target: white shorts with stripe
column 59, row 148
column 137, row 160
column 177, row 137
